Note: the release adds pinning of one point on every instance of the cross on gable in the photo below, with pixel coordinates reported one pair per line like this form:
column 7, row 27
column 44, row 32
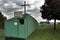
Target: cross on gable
column 25, row 6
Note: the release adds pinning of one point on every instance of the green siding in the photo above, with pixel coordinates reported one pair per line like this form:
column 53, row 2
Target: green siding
column 20, row 31
column 10, row 29
column 26, row 27
column 32, row 24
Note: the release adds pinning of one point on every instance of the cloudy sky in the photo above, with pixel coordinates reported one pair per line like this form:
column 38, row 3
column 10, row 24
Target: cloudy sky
column 7, row 7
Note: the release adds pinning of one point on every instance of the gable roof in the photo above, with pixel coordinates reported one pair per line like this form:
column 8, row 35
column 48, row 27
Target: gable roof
column 23, row 17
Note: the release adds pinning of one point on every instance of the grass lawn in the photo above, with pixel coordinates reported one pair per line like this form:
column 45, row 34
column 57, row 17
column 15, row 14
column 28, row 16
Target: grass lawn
column 46, row 33
column 1, row 33
column 43, row 33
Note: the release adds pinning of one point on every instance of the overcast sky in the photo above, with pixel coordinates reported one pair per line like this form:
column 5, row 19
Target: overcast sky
column 7, row 7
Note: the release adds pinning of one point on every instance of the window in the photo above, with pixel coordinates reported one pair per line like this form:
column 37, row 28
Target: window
column 15, row 23
column 21, row 21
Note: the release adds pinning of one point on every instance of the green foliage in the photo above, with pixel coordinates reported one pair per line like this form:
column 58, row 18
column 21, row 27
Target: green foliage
column 51, row 9
column 1, row 33
column 1, row 16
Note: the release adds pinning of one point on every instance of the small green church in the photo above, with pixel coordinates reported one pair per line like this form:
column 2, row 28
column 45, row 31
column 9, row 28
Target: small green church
column 20, row 27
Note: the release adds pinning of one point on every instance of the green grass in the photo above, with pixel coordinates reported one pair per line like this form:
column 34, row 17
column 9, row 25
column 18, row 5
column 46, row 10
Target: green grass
column 46, row 33
column 1, row 34
column 43, row 33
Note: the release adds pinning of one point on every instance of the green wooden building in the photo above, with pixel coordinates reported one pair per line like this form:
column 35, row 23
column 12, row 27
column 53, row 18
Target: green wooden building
column 20, row 27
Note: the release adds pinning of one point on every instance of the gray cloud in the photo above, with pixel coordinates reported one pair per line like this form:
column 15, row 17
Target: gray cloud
column 34, row 10
column 7, row 7
column 10, row 4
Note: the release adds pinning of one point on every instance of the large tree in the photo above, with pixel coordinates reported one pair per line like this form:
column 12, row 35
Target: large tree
column 51, row 10
column 2, row 18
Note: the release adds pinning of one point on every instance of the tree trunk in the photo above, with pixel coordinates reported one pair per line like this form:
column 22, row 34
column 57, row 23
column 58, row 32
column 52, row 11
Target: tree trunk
column 48, row 20
column 54, row 24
